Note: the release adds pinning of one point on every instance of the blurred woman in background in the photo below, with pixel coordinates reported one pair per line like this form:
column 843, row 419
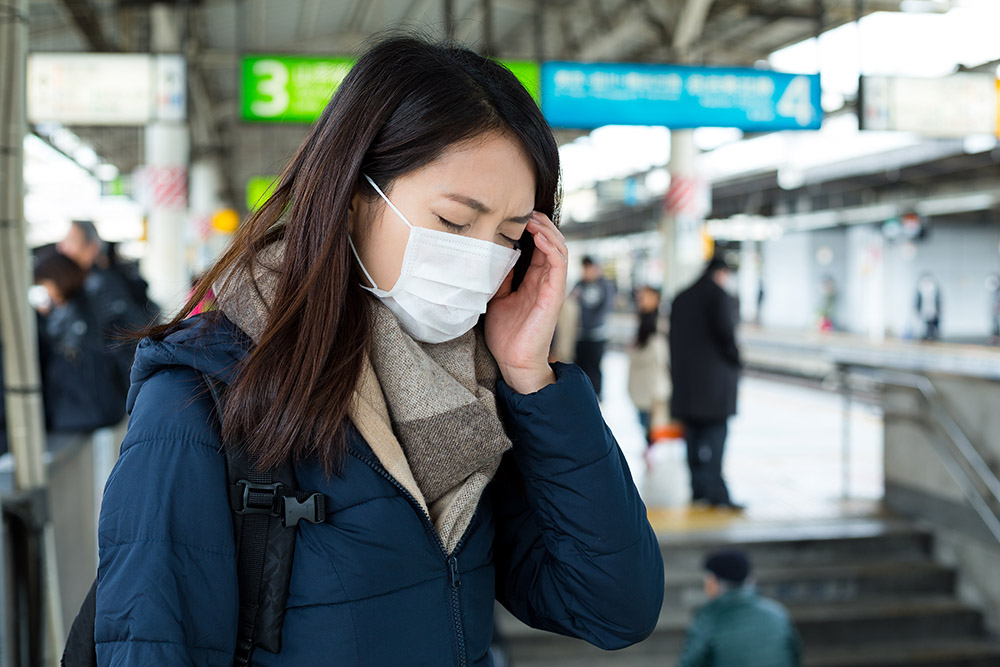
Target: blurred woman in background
column 648, row 376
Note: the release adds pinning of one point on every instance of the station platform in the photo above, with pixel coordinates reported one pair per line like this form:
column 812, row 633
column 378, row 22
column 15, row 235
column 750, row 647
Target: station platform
column 784, row 457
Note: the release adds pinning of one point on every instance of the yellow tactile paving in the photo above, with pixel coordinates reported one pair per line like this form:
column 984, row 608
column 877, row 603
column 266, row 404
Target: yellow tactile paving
column 697, row 518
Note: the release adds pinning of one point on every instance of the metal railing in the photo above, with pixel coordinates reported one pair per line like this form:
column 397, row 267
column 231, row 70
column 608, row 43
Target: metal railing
column 980, row 486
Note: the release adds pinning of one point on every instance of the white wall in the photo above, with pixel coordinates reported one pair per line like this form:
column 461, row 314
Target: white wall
column 792, row 278
column 788, row 296
column 876, row 280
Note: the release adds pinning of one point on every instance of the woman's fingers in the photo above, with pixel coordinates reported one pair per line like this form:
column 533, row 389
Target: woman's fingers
column 548, row 239
column 556, row 235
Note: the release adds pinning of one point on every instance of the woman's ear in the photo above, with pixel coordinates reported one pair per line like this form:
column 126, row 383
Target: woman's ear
column 352, row 212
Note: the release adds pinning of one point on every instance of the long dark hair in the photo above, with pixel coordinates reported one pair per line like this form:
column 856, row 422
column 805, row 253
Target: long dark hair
column 403, row 104
column 647, row 320
column 66, row 274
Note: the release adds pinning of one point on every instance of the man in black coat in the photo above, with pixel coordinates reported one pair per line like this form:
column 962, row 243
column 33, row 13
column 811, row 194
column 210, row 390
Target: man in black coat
column 705, row 366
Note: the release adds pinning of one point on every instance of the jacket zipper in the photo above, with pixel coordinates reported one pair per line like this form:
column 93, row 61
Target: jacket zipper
column 456, row 609
column 451, row 560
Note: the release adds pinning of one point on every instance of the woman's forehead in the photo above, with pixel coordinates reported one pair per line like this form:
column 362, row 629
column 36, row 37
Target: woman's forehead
column 495, row 171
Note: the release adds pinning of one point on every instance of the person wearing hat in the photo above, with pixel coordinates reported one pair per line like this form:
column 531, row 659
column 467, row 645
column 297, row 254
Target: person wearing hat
column 738, row 627
column 704, row 369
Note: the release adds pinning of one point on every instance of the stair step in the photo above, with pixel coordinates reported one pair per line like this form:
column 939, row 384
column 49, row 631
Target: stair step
column 935, row 653
column 825, row 583
column 801, row 545
column 843, row 623
column 965, row 653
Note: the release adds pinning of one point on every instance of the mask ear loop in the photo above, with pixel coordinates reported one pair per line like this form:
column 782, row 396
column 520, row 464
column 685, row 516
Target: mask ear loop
column 391, row 205
column 350, row 242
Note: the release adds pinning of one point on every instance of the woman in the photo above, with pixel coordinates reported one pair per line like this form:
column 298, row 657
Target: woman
column 648, row 382
column 457, row 465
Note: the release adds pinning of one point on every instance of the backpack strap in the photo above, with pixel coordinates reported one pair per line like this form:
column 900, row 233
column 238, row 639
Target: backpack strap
column 265, row 505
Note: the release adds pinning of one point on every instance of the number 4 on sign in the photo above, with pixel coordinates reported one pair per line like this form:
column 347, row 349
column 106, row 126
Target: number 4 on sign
column 796, row 101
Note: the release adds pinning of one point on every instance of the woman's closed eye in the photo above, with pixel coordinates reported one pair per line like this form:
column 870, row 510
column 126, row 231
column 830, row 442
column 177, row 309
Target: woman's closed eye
column 461, row 229
column 452, row 227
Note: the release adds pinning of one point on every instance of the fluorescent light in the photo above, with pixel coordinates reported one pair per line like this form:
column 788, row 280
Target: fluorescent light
column 86, row 157
column 65, row 140
column 106, row 172
column 924, row 6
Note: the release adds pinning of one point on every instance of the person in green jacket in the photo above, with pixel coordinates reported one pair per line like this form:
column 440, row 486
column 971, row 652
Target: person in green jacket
column 738, row 627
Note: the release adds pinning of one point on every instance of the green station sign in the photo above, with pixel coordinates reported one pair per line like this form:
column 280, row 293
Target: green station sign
column 296, row 89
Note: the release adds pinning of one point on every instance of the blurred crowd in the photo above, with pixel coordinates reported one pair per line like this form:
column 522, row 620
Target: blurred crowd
column 682, row 384
column 90, row 303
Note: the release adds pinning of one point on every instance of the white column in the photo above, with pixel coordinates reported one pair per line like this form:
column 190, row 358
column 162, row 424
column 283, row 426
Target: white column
column 168, row 148
column 205, row 179
column 165, row 265
column 683, row 216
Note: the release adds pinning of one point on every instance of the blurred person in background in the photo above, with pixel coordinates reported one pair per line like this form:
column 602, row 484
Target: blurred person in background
column 595, row 296
column 928, row 306
column 738, row 627
column 81, row 386
column 705, row 368
column 993, row 287
column 648, row 379
column 128, row 270
column 118, row 300
column 828, row 304
column 758, row 317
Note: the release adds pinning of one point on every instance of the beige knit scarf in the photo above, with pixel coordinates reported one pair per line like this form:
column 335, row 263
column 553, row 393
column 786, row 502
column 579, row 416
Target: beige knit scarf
column 438, row 398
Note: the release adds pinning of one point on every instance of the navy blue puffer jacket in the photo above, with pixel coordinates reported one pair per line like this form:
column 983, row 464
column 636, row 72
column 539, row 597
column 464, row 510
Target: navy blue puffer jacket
column 560, row 536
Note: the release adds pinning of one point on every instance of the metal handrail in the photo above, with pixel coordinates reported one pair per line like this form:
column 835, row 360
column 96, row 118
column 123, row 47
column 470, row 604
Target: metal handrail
column 950, row 426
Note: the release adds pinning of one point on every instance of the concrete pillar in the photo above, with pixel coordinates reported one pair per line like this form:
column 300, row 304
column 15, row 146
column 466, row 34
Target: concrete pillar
column 683, row 215
column 22, row 380
column 168, row 147
column 749, row 281
column 205, row 180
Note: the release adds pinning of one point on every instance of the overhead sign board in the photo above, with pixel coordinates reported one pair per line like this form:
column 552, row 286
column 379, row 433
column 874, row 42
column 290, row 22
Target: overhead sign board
column 290, row 88
column 105, row 88
column 588, row 95
column 953, row 106
column 278, row 88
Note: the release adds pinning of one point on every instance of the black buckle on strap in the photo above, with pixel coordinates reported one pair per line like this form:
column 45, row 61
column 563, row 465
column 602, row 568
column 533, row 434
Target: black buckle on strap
column 311, row 509
column 268, row 499
column 260, row 498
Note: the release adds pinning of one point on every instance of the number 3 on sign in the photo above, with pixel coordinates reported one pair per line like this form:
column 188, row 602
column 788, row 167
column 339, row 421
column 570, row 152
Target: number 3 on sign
column 272, row 82
column 796, row 101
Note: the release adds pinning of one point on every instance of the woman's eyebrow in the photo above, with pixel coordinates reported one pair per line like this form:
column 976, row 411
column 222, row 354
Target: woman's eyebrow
column 480, row 207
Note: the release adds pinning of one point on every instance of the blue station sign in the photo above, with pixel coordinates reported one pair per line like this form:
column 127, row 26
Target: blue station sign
column 588, row 95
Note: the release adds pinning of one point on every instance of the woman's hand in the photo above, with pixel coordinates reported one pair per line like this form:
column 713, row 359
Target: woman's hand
column 520, row 325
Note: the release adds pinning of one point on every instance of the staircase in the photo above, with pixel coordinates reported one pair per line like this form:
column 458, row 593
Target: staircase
column 862, row 593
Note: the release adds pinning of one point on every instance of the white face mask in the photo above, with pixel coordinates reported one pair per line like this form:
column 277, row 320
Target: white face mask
column 445, row 282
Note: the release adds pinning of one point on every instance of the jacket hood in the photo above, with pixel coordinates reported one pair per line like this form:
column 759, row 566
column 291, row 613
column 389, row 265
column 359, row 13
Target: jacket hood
column 208, row 343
